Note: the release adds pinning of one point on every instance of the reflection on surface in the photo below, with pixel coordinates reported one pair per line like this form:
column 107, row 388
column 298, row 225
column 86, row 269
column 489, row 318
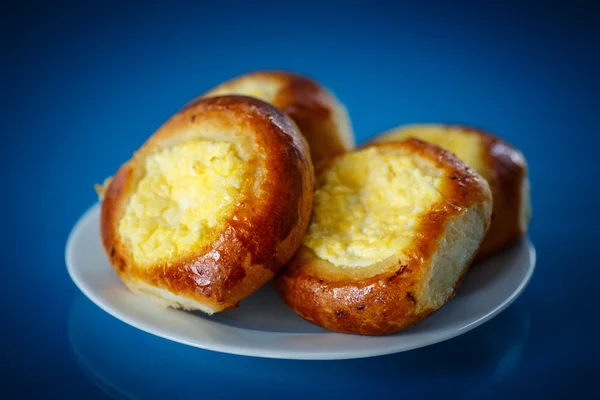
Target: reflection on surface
column 128, row 363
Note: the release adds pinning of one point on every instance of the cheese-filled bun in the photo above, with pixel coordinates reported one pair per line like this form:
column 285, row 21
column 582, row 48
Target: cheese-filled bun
column 394, row 228
column 211, row 206
column 501, row 164
column 322, row 118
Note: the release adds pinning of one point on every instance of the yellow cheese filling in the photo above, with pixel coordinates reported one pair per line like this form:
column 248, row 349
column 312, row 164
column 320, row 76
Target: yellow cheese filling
column 367, row 207
column 465, row 145
column 182, row 200
column 261, row 88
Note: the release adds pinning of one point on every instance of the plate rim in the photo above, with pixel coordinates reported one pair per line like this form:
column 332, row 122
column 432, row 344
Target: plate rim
column 263, row 352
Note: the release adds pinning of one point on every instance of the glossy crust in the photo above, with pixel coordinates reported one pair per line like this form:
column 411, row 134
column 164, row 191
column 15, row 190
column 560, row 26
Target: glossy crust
column 261, row 234
column 321, row 117
column 506, row 172
column 402, row 294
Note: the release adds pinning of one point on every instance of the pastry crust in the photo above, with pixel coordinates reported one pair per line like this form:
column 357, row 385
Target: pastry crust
column 415, row 282
column 322, row 118
column 505, row 169
column 262, row 232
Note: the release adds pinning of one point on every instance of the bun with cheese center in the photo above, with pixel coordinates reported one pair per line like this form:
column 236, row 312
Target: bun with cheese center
column 394, row 228
column 211, row 206
column 322, row 118
column 502, row 165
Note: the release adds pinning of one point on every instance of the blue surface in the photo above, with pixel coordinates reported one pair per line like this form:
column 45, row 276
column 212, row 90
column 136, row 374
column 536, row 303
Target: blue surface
column 83, row 86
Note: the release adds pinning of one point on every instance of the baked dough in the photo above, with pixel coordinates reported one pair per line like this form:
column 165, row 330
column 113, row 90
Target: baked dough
column 394, row 228
column 211, row 206
column 321, row 117
column 502, row 165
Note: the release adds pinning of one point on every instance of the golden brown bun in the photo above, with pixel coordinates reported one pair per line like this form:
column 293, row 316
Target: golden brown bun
column 502, row 165
column 411, row 284
column 260, row 234
column 322, row 119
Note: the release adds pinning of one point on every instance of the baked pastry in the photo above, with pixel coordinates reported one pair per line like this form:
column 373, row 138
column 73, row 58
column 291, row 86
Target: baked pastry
column 394, row 228
column 321, row 117
column 502, row 165
column 211, row 206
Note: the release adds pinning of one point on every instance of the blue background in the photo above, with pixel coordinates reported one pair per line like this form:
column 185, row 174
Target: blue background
column 84, row 85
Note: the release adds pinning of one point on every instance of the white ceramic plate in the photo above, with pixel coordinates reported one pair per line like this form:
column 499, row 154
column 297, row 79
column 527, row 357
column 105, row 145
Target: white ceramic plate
column 264, row 327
